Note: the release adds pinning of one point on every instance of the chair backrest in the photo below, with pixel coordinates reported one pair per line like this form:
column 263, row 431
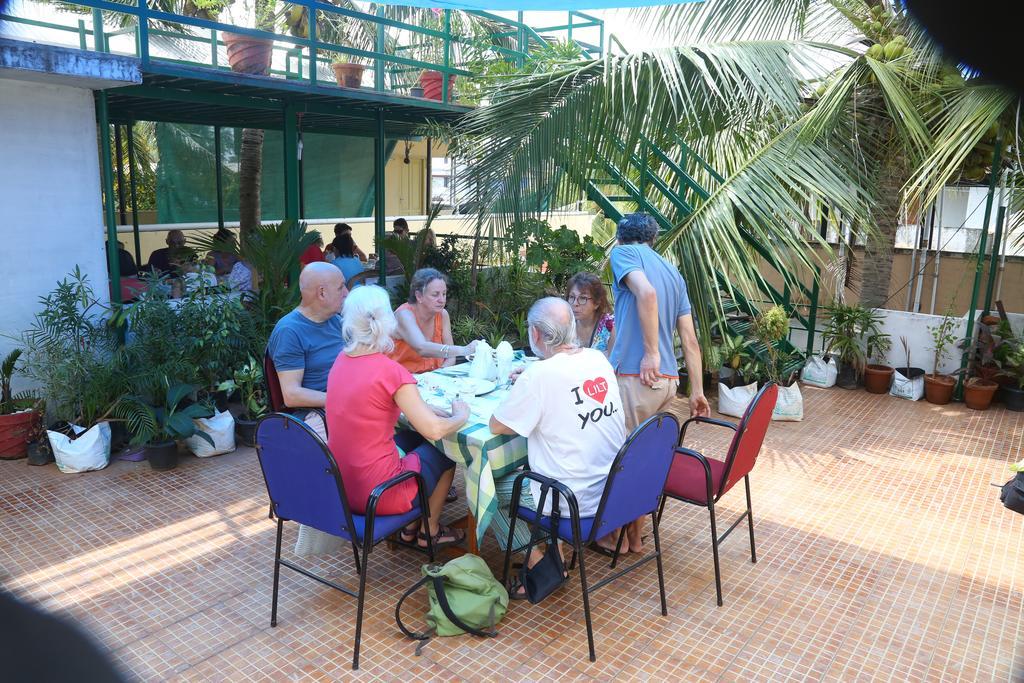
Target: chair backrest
column 274, row 393
column 302, row 477
column 638, row 474
column 746, row 443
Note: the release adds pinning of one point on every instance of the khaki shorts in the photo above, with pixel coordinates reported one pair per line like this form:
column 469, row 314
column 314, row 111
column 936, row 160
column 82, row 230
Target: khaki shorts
column 640, row 401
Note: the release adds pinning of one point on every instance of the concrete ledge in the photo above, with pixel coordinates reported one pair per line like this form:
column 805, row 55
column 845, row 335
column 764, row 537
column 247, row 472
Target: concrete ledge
column 24, row 61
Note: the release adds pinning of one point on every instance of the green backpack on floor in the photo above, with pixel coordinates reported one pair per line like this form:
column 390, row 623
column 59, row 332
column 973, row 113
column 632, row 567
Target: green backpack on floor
column 463, row 596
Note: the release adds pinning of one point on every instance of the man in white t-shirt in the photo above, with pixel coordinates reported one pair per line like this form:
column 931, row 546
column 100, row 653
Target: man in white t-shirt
column 567, row 405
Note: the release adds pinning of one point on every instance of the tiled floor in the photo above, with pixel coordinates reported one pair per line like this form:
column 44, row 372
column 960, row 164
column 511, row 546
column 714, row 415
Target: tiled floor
column 883, row 554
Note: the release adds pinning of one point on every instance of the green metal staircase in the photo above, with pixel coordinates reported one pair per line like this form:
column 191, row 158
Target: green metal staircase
column 658, row 183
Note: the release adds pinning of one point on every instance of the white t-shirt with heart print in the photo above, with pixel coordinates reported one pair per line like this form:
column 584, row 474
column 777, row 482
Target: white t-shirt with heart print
column 568, row 408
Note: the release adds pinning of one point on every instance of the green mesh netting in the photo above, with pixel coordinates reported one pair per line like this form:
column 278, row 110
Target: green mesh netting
column 337, row 174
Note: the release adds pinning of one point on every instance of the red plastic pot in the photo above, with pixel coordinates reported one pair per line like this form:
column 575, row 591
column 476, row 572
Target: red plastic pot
column 938, row 389
column 248, row 54
column 878, row 378
column 15, row 430
column 431, row 83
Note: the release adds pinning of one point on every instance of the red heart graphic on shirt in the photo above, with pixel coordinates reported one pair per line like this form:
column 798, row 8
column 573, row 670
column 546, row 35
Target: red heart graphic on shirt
column 596, row 388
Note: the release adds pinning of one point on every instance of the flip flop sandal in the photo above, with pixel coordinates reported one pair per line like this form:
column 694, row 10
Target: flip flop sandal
column 458, row 537
column 601, row 550
column 407, row 536
column 516, row 590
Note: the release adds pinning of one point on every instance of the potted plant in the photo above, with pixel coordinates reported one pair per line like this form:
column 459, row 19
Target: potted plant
column 844, row 337
column 938, row 389
column 1013, row 370
column 248, row 381
column 18, row 414
column 908, row 381
column 979, row 392
column 347, row 73
column 878, row 376
column 72, row 353
column 160, row 427
column 771, row 328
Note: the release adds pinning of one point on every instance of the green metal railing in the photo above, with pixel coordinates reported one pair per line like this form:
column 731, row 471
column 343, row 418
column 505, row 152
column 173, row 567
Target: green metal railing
column 400, row 48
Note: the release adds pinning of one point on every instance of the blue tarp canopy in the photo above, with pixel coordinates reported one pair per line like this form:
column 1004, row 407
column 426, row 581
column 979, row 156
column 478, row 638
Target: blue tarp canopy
column 532, row 5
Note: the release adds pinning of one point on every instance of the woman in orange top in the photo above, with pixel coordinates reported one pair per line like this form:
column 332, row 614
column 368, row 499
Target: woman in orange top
column 423, row 341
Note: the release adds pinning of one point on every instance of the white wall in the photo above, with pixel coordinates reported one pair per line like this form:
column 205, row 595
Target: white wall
column 50, row 211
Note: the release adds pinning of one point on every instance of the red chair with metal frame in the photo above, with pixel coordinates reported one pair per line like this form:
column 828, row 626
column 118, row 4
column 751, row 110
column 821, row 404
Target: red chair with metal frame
column 699, row 480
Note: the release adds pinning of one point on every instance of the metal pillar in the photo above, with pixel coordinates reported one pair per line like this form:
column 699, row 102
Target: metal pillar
column 429, row 190
column 445, row 95
column 107, row 178
column 133, row 192
column 291, row 163
column 122, row 209
column 219, row 172
column 812, row 314
column 993, row 266
column 993, row 179
column 379, row 163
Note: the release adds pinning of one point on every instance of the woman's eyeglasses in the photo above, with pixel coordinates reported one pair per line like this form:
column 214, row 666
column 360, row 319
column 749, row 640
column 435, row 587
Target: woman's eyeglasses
column 578, row 299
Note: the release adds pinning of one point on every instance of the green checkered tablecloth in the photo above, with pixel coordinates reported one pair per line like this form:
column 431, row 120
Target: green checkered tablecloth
column 486, row 456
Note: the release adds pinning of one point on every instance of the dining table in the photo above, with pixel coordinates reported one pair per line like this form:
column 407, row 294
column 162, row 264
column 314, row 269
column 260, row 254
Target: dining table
column 485, row 456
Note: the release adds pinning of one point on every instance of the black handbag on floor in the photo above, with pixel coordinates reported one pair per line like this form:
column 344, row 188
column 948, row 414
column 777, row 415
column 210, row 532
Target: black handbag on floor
column 1012, row 494
column 545, row 577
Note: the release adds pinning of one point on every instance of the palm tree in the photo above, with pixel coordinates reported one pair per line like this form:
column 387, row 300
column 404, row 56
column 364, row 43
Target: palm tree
column 788, row 100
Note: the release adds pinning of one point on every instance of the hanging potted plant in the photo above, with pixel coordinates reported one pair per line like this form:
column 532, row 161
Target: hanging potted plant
column 938, row 389
column 248, row 381
column 160, row 427
column 18, row 412
column 878, row 376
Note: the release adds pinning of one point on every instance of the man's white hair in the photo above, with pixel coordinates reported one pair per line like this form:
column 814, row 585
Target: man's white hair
column 367, row 319
column 553, row 318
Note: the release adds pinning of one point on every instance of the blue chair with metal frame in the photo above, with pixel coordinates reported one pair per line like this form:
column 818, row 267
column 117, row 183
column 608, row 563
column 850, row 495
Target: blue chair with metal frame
column 305, row 486
column 633, row 489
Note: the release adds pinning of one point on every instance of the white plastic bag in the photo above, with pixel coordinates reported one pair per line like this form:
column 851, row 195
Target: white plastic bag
column 312, row 542
column 735, row 401
column 789, row 407
column 903, row 387
column 221, row 428
column 482, row 366
column 818, row 373
column 90, row 450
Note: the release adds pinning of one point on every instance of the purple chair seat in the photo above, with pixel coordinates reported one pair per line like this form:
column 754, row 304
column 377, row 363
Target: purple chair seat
column 687, row 480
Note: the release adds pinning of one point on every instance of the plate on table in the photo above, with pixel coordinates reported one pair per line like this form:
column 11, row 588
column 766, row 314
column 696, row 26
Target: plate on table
column 474, row 386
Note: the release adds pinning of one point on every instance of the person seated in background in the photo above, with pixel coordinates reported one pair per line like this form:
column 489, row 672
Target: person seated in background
column 239, row 275
column 160, row 259
column 227, row 246
column 125, row 262
column 366, row 392
column 595, row 324
column 343, row 228
column 346, row 259
column 313, row 253
column 567, row 405
column 307, row 340
column 400, row 228
column 197, row 275
column 423, row 341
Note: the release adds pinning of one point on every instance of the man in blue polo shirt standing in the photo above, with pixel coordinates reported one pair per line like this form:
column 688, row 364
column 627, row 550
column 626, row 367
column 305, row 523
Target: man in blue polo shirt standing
column 651, row 306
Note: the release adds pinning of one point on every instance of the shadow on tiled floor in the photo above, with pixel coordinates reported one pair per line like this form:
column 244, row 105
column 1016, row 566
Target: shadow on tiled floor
column 883, row 554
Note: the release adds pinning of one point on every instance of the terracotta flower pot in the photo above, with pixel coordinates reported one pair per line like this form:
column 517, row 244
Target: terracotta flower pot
column 938, row 389
column 348, row 74
column 14, row 433
column 878, row 378
column 248, row 54
column 431, row 82
column 978, row 393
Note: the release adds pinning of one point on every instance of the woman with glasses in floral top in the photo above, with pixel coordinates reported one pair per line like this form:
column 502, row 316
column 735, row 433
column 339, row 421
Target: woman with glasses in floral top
column 595, row 324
